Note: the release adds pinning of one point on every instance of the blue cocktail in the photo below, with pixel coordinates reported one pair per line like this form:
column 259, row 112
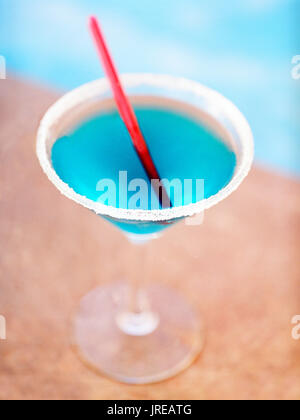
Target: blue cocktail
column 100, row 149
column 203, row 149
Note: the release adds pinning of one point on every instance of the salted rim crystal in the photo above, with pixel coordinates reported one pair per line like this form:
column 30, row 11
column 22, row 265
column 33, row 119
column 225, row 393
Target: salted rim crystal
column 98, row 90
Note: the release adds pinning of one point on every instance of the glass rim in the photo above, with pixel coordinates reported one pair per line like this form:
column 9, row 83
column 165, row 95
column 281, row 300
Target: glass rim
column 96, row 89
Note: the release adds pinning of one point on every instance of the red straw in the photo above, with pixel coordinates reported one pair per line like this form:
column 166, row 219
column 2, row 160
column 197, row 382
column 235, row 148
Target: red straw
column 125, row 108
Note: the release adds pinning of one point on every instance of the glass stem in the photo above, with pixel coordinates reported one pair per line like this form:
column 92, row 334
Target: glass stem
column 137, row 297
column 137, row 318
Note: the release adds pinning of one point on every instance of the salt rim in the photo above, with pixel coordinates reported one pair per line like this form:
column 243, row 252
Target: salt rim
column 98, row 88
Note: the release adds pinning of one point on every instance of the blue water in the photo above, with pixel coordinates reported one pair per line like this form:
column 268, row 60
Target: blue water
column 243, row 49
column 181, row 148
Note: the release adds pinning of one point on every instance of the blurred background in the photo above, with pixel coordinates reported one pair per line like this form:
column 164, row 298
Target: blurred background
column 244, row 49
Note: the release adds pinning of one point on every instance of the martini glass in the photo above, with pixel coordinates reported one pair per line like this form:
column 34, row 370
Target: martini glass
column 136, row 332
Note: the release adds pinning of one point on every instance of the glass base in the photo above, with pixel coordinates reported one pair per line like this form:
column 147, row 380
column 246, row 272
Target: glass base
column 137, row 348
